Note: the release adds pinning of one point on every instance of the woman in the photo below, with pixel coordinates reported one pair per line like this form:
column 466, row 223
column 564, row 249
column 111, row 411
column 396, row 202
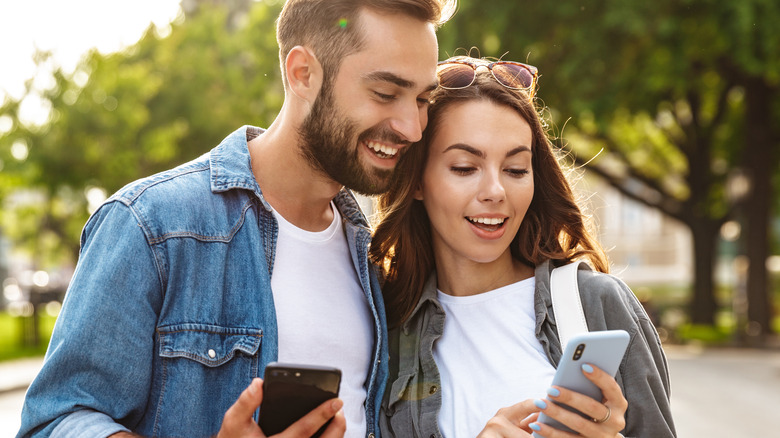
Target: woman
column 479, row 214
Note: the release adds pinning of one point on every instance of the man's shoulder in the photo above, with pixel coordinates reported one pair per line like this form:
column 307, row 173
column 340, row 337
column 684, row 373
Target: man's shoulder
column 182, row 202
column 182, row 182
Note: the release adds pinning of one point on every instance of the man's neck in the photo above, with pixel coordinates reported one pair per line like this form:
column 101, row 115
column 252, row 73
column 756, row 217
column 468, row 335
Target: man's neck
column 288, row 182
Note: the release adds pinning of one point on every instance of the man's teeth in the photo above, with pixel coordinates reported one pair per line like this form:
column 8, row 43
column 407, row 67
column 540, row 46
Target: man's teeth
column 382, row 149
column 487, row 221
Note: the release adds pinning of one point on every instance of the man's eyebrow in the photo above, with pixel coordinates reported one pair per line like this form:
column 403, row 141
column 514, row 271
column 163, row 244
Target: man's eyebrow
column 386, row 76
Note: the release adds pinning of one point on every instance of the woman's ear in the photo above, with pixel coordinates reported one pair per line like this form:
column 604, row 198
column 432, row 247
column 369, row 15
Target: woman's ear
column 304, row 73
column 418, row 193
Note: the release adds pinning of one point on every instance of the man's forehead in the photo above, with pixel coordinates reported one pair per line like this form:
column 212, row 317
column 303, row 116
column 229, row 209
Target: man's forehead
column 395, row 48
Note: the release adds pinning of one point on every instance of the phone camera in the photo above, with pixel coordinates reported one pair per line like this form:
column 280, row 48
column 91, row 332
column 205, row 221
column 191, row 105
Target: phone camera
column 578, row 352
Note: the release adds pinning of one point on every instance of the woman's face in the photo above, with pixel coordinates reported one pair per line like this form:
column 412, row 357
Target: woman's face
column 478, row 181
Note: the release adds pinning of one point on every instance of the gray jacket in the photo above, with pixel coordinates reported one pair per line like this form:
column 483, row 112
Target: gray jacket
column 412, row 400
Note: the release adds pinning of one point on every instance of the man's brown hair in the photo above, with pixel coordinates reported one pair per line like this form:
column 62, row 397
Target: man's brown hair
column 330, row 27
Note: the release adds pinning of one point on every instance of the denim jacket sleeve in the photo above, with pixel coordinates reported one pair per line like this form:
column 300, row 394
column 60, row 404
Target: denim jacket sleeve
column 101, row 368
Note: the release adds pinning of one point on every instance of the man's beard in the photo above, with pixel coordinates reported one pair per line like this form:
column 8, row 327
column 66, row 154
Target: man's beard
column 329, row 144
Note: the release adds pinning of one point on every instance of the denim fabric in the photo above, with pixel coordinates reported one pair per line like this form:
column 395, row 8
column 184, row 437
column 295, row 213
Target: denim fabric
column 170, row 312
column 412, row 402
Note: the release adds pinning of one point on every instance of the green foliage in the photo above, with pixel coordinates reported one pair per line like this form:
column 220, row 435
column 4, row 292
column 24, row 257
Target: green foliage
column 659, row 98
column 711, row 335
column 11, row 336
column 125, row 115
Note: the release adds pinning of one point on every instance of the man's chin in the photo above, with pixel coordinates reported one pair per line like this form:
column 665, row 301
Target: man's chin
column 371, row 186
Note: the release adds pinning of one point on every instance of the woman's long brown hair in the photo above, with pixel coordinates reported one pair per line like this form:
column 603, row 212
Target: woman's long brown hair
column 553, row 227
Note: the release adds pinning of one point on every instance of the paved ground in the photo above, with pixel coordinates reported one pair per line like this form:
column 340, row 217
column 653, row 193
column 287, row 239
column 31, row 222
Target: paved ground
column 716, row 393
column 725, row 393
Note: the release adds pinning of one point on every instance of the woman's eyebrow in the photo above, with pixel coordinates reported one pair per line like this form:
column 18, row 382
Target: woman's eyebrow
column 517, row 150
column 474, row 151
column 464, row 147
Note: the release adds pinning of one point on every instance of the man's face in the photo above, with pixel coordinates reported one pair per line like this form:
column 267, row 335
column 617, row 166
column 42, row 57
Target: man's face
column 375, row 106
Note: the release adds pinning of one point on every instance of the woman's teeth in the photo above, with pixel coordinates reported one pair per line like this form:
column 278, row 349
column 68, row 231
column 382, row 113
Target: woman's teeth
column 381, row 150
column 486, row 220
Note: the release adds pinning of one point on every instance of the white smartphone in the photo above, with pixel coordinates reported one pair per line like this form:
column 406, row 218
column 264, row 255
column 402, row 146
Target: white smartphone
column 604, row 349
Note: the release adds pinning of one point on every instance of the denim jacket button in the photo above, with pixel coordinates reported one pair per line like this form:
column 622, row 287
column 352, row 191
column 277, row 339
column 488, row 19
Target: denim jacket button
column 433, row 389
column 370, row 435
column 212, row 353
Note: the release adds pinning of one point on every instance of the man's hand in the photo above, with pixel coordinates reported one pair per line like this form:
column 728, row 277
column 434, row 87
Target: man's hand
column 238, row 421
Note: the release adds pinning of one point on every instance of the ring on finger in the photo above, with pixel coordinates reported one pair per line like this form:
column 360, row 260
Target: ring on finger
column 606, row 417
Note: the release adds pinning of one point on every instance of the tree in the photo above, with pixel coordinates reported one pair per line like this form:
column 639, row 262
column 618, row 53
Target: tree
column 677, row 94
column 124, row 115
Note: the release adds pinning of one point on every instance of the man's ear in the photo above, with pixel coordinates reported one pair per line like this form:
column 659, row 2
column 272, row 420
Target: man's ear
column 304, row 73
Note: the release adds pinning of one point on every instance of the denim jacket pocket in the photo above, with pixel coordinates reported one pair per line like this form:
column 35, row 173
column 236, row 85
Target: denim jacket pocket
column 203, row 370
column 209, row 345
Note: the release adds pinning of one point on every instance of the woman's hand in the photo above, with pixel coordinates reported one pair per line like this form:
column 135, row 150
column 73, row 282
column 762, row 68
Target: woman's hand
column 512, row 421
column 607, row 418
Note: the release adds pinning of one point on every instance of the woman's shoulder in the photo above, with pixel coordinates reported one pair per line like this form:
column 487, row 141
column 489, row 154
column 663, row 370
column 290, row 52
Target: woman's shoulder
column 610, row 297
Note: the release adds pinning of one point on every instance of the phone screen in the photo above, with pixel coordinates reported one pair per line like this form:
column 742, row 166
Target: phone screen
column 291, row 391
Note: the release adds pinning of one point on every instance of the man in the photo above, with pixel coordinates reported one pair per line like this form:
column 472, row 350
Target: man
column 191, row 281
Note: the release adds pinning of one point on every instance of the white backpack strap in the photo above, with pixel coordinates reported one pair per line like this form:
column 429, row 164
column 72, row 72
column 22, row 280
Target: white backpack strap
column 567, row 307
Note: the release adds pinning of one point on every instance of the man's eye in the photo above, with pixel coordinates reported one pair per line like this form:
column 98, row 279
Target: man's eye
column 383, row 96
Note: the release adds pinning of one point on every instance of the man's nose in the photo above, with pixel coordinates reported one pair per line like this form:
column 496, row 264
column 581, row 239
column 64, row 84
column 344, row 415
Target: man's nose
column 410, row 121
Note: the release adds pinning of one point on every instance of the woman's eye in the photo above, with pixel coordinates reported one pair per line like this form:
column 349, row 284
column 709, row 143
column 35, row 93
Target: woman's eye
column 517, row 173
column 462, row 170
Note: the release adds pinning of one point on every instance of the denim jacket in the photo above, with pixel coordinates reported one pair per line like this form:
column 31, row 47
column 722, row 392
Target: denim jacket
column 170, row 313
column 412, row 401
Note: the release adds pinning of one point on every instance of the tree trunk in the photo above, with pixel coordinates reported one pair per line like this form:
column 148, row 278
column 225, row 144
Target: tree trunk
column 703, row 304
column 759, row 160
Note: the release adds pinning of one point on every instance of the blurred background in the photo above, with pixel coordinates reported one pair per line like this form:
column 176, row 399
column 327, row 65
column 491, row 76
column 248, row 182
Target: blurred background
column 667, row 112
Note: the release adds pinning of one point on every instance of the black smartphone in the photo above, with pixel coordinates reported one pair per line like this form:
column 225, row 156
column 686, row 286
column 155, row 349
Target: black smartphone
column 291, row 391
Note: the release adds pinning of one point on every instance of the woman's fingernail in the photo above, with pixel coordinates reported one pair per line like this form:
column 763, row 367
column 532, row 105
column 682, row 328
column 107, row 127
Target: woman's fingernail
column 535, row 427
column 552, row 392
column 540, row 404
column 587, row 368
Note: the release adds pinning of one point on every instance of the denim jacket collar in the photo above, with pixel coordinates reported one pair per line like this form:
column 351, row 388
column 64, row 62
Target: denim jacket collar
column 230, row 163
column 231, row 168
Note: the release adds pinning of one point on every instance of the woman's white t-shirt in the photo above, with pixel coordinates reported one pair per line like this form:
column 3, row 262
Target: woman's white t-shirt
column 488, row 356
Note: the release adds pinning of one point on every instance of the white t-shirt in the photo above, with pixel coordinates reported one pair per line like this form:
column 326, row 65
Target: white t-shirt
column 322, row 313
column 488, row 357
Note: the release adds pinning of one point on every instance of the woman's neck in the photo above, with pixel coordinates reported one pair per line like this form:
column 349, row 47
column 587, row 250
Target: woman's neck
column 472, row 278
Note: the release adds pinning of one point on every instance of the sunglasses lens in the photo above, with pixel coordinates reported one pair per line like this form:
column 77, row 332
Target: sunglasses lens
column 513, row 75
column 454, row 76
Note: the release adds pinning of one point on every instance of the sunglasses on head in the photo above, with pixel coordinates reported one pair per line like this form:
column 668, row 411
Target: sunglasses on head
column 457, row 74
